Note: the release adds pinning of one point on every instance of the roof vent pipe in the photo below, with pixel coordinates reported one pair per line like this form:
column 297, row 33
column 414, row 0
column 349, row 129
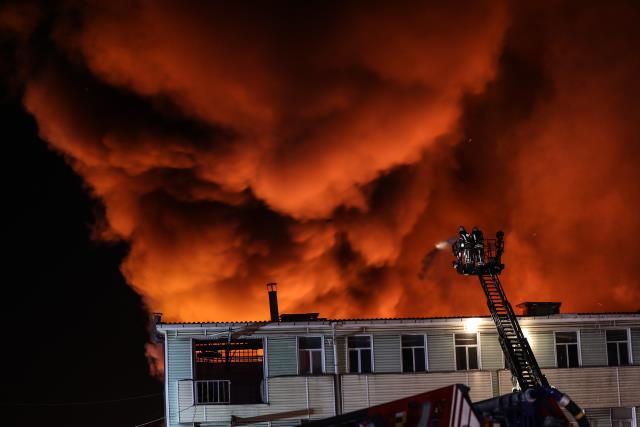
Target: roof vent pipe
column 273, row 301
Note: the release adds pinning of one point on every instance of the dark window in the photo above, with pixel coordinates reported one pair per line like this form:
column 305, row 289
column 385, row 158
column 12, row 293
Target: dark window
column 621, row 417
column 359, row 354
column 310, row 355
column 228, row 371
column 617, row 347
column 567, row 349
column 466, row 351
column 413, row 353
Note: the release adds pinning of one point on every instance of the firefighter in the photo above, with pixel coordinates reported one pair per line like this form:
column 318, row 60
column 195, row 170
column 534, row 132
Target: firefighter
column 499, row 246
column 464, row 251
column 478, row 245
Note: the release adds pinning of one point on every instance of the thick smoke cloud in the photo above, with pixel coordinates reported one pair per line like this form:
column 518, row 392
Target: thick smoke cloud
column 328, row 146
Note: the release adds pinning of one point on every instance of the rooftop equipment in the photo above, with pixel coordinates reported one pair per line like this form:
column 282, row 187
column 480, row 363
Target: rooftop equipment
column 531, row 308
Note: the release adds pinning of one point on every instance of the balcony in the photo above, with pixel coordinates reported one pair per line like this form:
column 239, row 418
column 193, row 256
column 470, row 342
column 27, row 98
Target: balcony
column 212, row 392
column 290, row 397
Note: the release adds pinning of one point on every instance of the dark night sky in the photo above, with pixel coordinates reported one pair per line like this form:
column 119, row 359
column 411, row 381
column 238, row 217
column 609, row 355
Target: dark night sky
column 73, row 331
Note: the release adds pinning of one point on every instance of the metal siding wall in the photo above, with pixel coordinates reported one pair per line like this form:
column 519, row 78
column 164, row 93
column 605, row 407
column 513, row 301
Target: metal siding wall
column 635, row 348
column 542, row 345
column 504, row 379
column 355, row 393
column 591, row 387
column 321, row 397
column 386, row 353
column 593, row 347
column 328, row 355
column 440, row 348
column 629, row 378
column 178, row 366
column 495, row 385
column 285, row 394
column 361, row 391
column 282, row 356
column 599, row 417
column 342, row 354
column 491, row 352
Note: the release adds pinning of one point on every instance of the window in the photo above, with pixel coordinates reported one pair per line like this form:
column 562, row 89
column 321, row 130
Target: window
column 309, row 355
column 466, row 351
column 567, row 349
column 617, row 347
column 621, row 417
column 413, row 353
column 359, row 351
column 228, row 371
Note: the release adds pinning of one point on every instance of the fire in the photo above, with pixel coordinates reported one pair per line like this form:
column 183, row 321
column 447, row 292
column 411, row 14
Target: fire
column 326, row 147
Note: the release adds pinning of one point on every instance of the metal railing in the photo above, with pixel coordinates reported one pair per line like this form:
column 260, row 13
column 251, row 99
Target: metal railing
column 210, row 392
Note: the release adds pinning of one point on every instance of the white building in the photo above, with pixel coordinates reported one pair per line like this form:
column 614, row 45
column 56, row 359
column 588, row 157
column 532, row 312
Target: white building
column 301, row 367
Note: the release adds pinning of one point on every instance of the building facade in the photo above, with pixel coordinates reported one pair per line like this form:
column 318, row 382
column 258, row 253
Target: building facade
column 282, row 373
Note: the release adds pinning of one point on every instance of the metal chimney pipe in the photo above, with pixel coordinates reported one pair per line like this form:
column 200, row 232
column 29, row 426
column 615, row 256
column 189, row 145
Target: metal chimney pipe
column 273, row 301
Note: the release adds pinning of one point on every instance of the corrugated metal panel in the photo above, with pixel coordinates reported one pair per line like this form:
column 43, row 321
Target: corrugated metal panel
column 599, row 417
column 591, row 387
column 480, row 384
column 285, row 394
column 361, row 391
column 328, row 355
column 354, row 392
column 635, row 346
column 629, row 377
column 178, row 365
column 288, row 392
column 342, row 354
column 386, row 353
column 321, row 396
column 282, row 356
column 542, row 345
column 490, row 352
column 504, row 382
column 593, row 347
column 440, row 348
column 385, row 388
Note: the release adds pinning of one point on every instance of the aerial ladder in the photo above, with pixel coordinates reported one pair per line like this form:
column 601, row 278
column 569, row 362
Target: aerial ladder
column 481, row 257
column 534, row 404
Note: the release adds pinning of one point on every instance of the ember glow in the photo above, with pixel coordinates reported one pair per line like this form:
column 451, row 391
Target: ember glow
column 326, row 146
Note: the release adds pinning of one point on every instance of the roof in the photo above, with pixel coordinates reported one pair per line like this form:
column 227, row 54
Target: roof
column 409, row 319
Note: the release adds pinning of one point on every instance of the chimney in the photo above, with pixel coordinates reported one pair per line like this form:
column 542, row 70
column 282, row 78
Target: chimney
column 157, row 318
column 273, row 301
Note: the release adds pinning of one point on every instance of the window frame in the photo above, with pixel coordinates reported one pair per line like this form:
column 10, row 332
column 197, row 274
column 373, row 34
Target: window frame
column 348, row 360
column 426, row 355
column 617, row 422
column 320, row 350
column 478, row 349
column 629, row 348
column 578, row 343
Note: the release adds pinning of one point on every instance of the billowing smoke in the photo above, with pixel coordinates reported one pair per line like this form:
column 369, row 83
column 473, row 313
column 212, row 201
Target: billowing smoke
column 327, row 145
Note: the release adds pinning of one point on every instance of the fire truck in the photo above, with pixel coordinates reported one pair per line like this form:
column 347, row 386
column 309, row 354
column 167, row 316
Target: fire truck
column 534, row 402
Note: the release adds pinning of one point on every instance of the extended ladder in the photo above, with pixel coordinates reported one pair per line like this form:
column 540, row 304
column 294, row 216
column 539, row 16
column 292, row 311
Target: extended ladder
column 515, row 346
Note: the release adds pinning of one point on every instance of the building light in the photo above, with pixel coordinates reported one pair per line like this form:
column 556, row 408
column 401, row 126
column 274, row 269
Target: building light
column 525, row 332
column 471, row 324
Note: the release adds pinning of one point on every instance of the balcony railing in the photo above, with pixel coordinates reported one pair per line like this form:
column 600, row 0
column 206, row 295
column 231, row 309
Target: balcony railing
column 212, row 392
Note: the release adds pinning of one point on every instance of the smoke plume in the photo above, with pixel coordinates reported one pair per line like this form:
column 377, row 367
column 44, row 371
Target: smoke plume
column 327, row 145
